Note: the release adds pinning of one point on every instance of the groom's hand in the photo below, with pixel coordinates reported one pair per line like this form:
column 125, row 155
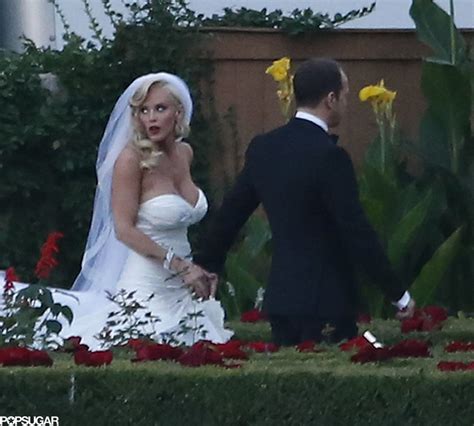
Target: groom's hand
column 197, row 279
column 407, row 312
column 213, row 280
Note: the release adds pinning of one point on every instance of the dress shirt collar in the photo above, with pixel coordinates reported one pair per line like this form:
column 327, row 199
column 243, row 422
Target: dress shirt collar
column 314, row 119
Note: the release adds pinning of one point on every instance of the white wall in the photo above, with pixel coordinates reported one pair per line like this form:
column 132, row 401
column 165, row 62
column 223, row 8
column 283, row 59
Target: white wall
column 388, row 13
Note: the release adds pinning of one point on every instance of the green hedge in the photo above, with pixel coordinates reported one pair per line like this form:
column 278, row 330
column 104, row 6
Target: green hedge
column 286, row 387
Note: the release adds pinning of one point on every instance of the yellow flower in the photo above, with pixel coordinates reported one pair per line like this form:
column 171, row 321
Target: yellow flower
column 279, row 69
column 377, row 94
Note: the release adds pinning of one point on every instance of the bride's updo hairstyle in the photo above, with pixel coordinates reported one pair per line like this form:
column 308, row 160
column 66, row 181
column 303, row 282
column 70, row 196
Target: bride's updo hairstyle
column 148, row 151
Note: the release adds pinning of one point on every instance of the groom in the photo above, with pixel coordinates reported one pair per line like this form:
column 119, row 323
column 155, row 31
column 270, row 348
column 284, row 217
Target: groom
column 308, row 189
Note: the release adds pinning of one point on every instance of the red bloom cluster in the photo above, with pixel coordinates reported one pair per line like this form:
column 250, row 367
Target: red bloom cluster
column 155, row 352
column 232, row 350
column 254, row 315
column 16, row 356
column 455, row 366
column 403, row 349
column 426, row 319
column 47, row 260
column 459, row 347
column 201, row 353
column 10, row 276
column 83, row 356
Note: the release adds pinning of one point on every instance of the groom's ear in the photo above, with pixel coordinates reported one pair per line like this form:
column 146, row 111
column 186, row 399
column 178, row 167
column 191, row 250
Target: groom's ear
column 330, row 100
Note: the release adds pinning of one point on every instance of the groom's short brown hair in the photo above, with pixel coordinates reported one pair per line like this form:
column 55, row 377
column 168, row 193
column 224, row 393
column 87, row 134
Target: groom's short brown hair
column 314, row 79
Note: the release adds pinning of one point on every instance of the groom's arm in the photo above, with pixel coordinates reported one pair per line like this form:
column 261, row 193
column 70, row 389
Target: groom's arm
column 339, row 193
column 238, row 204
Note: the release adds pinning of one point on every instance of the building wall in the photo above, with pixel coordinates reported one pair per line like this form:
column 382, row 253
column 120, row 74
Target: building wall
column 241, row 85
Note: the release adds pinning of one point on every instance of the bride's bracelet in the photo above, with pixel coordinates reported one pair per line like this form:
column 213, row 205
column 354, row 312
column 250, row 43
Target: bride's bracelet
column 168, row 258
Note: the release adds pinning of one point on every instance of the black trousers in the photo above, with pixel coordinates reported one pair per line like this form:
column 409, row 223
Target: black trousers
column 292, row 330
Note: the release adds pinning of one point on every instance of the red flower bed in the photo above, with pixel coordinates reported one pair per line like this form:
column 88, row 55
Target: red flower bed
column 426, row 319
column 156, row 351
column 16, row 356
column 403, row 349
column 93, row 358
column 459, row 347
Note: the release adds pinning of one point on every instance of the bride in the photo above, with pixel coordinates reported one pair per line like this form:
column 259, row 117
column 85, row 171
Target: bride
column 144, row 203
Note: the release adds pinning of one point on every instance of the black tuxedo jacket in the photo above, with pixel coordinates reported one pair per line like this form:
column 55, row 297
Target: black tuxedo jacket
column 308, row 189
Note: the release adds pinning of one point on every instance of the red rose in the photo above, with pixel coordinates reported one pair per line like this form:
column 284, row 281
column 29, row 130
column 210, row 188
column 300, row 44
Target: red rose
column 93, row 359
column 14, row 356
column 156, row 351
column 254, row 315
column 358, row 342
column 307, row 346
column 459, row 347
column 410, row 348
column 231, row 349
column 411, row 324
column 364, row 319
column 370, row 354
column 262, row 347
column 40, row 358
column 436, row 313
column 199, row 355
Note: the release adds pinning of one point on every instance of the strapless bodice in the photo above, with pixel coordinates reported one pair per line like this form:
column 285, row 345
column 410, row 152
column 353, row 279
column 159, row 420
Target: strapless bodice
column 166, row 218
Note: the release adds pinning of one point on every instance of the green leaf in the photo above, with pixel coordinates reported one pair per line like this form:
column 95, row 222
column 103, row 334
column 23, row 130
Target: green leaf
column 257, row 235
column 436, row 29
column 448, row 91
column 433, row 272
column 408, row 228
column 67, row 312
column 434, row 147
column 53, row 326
column 46, row 298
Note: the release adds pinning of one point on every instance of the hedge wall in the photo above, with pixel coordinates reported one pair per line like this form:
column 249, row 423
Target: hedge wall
column 286, row 387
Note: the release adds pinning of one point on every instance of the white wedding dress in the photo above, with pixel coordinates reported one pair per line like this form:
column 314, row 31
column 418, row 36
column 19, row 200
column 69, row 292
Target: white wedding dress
column 165, row 219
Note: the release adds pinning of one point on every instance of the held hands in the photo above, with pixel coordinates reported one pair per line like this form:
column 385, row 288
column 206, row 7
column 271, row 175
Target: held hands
column 407, row 312
column 201, row 282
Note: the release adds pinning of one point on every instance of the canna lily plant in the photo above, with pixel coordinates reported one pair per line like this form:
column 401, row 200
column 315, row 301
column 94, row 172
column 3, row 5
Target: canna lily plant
column 382, row 100
column 280, row 71
column 404, row 212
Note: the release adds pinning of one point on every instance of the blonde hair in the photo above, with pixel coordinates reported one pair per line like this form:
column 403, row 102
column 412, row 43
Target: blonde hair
column 148, row 151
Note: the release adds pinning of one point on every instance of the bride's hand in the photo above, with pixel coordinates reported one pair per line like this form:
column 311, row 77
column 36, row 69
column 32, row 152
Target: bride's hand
column 194, row 277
